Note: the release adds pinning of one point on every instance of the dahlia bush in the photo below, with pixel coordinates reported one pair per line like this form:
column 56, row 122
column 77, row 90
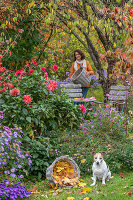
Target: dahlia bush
column 31, row 99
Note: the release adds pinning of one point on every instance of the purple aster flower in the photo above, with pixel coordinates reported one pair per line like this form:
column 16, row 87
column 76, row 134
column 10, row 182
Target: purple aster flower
column 19, row 166
column 13, row 175
column 13, row 169
column 21, row 176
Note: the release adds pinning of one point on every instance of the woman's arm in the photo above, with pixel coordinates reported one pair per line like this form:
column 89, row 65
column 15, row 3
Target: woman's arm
column 72, row 70
column 89, row 68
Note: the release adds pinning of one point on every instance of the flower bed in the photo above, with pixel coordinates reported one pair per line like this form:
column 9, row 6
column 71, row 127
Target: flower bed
column 10, row 190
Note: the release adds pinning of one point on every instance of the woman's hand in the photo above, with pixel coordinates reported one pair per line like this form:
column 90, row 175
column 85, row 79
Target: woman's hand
column 87, row 74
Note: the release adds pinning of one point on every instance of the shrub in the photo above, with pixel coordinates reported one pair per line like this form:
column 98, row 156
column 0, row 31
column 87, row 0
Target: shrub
column 39, row 148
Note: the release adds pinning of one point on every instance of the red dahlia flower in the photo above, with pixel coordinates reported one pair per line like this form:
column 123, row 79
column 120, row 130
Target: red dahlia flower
column 43, row 69
column 55, row 67
column 83, row 109
column 34, row 63
column 19, row 72
column 31, row 71
column 2, row 90
column 52, row 85
column 46, row 75
column 14, row 92
column 27, row 99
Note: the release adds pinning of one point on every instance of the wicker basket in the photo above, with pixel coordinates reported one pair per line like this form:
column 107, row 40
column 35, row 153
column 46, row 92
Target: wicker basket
column 49, row 171
column 79, row 77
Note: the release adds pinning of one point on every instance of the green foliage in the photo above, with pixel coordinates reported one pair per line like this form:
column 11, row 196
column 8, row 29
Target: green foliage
column 39, row 148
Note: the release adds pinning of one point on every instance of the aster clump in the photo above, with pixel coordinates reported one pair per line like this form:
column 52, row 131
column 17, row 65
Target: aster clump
column 13, row 159
column 10, row 190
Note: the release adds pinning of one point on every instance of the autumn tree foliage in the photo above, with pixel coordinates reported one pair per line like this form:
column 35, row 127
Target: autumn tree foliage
column 24, row 33
column 105, row 30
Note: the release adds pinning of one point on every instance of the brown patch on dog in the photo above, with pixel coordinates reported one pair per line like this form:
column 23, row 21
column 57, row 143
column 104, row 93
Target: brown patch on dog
column 98, row 155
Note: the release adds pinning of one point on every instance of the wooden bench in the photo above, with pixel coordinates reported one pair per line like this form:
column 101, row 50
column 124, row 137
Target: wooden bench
column 118, row 95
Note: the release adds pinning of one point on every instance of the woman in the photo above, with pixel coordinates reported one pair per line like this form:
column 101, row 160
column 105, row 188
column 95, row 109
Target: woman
column 80, row 61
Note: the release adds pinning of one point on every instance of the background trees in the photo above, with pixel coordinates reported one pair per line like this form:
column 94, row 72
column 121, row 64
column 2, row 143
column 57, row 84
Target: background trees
column 104, row 29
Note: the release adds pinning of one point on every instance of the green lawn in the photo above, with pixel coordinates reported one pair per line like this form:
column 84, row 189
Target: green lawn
column 119, row 187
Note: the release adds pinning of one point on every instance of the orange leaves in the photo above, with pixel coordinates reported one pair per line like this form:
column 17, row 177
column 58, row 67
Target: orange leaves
column 64, row 175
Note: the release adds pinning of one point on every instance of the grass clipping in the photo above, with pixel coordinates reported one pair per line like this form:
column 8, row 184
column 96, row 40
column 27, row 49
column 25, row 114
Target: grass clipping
column 64, row 175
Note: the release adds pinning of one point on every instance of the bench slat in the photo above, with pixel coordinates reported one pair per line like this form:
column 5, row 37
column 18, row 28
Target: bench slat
column 69, row 85
column 117, row 98
column 72, row 90
column 75, row 95
column 116, row 92
column 119, row 87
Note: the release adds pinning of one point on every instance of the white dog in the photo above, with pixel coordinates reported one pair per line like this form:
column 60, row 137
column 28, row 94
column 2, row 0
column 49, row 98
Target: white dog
column 100, row 169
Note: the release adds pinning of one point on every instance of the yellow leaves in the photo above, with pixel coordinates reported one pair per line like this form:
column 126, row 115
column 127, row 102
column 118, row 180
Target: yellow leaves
column 31, row 4
column 83, row 160
column 28, row 11
column 81, row 184
column 84, row 191
column 57, row 192
column 63, row 174
column 114, row 45
column 70, row 198
column 41, row 5
column 87, row 189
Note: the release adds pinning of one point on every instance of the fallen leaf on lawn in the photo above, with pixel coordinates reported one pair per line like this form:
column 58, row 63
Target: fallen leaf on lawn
column 129, row 194
column 81, row 184
column 87, row 198
column 51, row 185
column 83, row 160
column 35, row 196
column 70, row 192
column 70, row 198
column 82, row 192
column 33, row 189
column 125, row 186
column 57, row 192
column 87, row 189
column 112, row 177
column 76, row 186
column 42, row 195
column 122, row 175
column 112, row 192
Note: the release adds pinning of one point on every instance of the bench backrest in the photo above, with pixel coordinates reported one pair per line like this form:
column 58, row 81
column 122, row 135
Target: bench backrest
column 73, row 90
column 118, row 93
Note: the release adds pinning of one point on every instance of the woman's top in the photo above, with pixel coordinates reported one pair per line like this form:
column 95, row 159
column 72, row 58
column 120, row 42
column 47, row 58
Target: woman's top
column 76, row 66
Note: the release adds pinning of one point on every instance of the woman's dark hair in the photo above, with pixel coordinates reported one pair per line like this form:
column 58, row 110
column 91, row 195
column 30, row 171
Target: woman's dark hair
column 81, row 53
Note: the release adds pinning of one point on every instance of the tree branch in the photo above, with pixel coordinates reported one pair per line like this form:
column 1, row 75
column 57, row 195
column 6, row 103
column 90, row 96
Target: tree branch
column 46, row 42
